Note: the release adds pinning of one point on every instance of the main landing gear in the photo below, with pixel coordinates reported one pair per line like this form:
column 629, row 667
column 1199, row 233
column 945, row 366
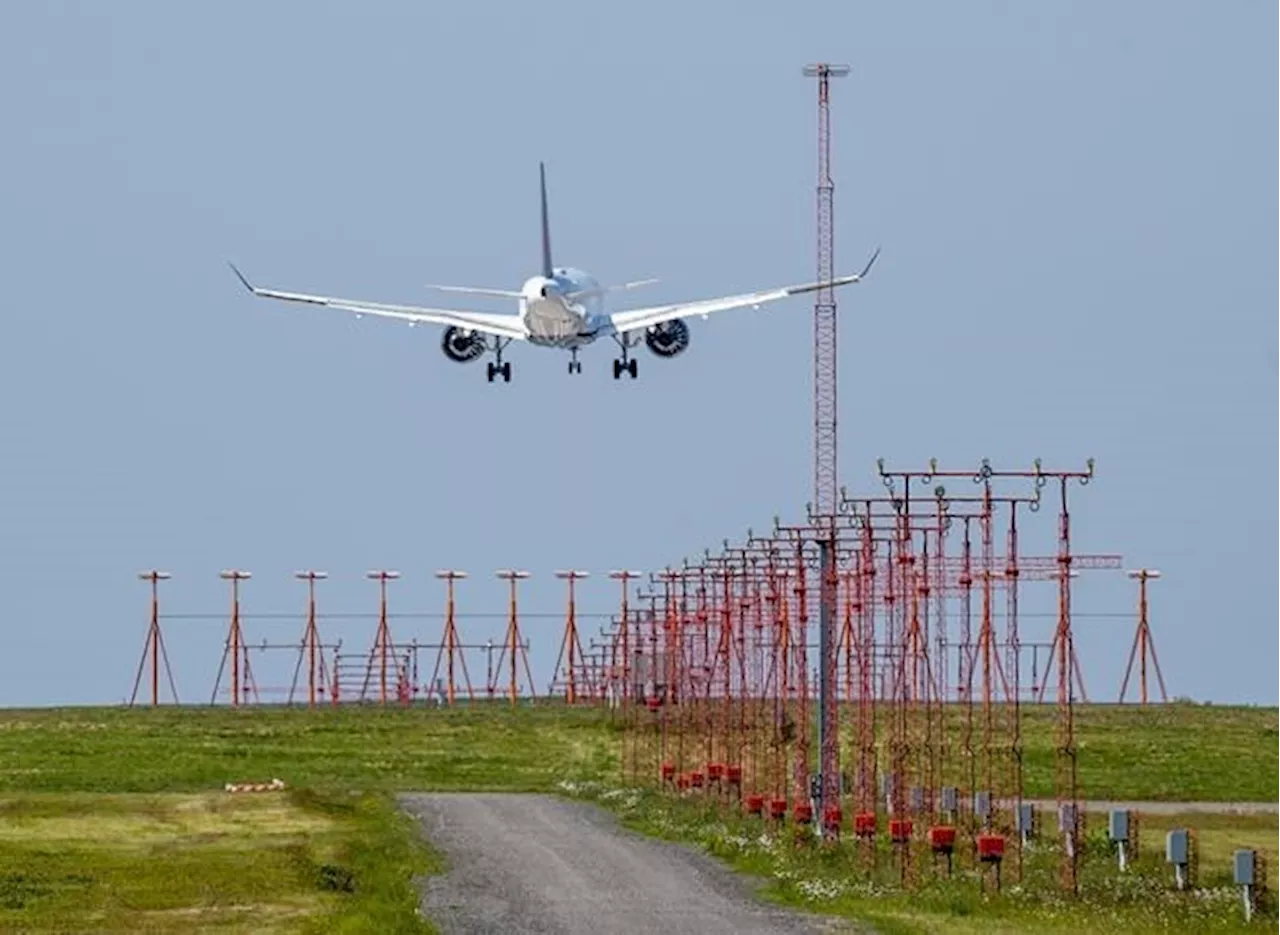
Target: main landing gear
column 575, row 365
column 496, row 366
column 626, row 363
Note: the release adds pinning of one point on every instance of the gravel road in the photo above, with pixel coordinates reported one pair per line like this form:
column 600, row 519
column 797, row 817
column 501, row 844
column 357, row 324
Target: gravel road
column 530, row 863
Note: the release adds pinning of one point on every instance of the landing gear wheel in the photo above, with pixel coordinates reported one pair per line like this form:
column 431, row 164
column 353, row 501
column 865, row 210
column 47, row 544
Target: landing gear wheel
column 498, row 365
column 625, row 363
column 575, row 366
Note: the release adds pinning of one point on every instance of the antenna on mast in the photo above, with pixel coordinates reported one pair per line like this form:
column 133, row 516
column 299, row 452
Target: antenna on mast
column 825, row 480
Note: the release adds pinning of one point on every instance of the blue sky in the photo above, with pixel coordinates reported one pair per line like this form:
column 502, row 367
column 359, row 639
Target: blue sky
column 1078, row 261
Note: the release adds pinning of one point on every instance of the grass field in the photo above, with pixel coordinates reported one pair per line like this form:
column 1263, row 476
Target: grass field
column 833, row 880
column 114, row 820
column 204, row 862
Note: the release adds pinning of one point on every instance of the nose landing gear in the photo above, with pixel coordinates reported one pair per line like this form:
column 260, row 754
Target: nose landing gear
column 575, row 365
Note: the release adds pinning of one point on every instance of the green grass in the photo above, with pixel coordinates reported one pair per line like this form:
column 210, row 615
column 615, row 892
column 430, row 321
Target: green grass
column 837, row 880
column 373, row 749
column 114, row 819
column 206, row 862
column 1175, row 753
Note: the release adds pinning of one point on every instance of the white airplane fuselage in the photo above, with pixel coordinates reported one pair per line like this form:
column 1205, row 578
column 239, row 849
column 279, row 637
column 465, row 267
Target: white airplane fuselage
column 565, row 310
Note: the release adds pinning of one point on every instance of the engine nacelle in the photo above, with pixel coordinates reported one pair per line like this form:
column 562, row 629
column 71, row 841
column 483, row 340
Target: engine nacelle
column 667, row 339
column 460, row 345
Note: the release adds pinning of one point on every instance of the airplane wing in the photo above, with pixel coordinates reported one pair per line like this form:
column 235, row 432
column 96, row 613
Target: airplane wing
column 632, row 285
column 503, row 326
column 636, row 319
column 473, row 290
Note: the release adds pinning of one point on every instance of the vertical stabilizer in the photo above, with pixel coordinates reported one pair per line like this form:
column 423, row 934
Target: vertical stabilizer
column 546, row 224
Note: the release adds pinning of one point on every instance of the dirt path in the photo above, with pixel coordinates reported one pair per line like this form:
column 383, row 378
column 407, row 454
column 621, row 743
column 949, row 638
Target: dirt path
column 531, row 863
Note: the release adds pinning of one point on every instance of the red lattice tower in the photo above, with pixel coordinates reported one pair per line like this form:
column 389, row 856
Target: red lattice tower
column 824, row 441
column 824, row 310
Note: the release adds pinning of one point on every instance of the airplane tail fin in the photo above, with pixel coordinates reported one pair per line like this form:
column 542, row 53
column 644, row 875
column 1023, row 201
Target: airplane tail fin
column 546, row 224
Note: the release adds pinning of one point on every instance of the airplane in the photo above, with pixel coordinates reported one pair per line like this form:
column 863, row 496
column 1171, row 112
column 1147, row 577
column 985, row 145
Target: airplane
column 562, row 307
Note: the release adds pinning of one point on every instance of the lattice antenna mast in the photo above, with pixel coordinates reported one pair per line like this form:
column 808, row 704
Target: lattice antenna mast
column 824, row 311
column 824, row 448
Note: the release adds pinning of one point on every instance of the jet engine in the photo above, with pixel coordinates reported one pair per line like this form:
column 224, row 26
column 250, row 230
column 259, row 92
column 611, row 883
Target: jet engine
column 667, row 339
column 461, row 345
